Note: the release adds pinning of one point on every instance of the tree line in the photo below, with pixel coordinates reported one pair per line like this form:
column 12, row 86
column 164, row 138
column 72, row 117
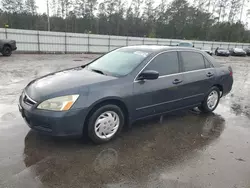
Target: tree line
column 213, row 20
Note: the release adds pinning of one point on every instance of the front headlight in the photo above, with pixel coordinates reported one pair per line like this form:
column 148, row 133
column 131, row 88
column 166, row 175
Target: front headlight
column 63, row 103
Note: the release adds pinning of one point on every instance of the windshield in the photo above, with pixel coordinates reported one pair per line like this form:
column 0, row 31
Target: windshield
column 119, row 62
column 186, row 44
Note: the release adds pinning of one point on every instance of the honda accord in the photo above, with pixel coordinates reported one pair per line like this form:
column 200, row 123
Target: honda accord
column 123, row 86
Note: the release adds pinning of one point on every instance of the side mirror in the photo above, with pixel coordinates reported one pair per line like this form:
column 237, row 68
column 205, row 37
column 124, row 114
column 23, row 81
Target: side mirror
column 149, row 75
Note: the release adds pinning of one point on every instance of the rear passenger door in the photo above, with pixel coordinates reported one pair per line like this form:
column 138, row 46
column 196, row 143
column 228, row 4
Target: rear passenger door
column 198, row 76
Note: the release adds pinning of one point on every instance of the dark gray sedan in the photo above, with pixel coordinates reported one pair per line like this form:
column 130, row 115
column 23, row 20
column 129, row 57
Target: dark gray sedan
column 123, row 86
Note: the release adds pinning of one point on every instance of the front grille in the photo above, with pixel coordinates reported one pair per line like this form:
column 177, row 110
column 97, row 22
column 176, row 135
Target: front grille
column 28, row 100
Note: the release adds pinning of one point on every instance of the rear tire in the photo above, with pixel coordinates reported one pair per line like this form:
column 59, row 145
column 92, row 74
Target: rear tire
column 105, row 123
column 211, row 100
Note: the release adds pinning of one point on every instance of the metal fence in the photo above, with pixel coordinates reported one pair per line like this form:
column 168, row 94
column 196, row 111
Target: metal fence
column 58, row 42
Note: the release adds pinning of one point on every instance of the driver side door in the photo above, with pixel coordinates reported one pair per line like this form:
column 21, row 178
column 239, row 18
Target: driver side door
column 164, row 94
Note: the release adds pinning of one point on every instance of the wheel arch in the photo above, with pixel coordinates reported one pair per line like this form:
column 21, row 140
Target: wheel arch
column 7, row 45
column 110, row 100
column 220, row 88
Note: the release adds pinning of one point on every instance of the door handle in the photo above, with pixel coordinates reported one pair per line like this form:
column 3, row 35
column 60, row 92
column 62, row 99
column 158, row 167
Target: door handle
column 209, row 74
column 177, row 81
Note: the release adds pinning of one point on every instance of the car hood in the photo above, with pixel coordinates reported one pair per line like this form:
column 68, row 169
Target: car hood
column 65, row 82
column 239, row 51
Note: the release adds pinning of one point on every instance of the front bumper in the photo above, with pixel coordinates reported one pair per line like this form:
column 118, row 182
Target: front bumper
column 52, row 123
column 13, row 46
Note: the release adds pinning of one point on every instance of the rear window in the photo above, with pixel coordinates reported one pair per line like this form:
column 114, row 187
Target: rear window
column 192, row 61
column 213, row 61
column 186, row 44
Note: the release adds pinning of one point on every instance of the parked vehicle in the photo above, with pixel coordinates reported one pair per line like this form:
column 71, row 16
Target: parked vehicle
column 222, row 52
column 207, row 50
column 123, row 86
column 7, row 46
column 186, row 44
column 247, row 50
column 238, row 52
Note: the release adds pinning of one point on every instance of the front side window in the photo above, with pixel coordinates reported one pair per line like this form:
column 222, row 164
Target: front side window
column 119, row 62
column 165, row 64
column 192, row 61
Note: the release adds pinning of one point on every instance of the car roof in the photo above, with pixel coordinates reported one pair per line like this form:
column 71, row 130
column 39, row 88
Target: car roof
column 159, row 48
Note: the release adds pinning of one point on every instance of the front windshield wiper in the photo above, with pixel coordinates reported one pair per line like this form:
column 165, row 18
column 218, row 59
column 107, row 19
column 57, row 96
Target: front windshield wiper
column 98, row 71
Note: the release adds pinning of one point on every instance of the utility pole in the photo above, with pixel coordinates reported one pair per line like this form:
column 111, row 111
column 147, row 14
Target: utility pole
column 48, row 15
column 241, row 12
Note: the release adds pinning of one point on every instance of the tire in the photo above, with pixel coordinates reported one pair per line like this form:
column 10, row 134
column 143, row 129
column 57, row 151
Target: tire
column 205, row 107
column 103, row 113
column 7, row 51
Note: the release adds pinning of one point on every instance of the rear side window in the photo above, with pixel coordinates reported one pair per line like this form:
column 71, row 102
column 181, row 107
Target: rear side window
column 192, row 61
column 165, row 64
column 207, row 63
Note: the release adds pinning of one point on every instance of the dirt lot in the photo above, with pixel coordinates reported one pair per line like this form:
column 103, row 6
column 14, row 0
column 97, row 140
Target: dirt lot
column 184, row 150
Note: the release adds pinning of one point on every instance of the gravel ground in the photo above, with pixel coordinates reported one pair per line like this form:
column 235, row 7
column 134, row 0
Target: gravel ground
column 184, row 149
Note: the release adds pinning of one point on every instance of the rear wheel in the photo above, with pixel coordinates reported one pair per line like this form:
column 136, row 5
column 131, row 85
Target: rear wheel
column 211, row 100
column 6, row 51
column 105, row 123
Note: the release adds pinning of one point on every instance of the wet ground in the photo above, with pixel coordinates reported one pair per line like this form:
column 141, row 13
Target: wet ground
column 184, row 149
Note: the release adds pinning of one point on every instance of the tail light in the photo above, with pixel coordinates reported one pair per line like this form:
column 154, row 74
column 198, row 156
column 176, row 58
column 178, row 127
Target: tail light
column 230, row 71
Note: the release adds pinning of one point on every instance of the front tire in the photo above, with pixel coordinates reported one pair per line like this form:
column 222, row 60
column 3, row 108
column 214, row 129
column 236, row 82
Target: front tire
column 6, row 51
column 211, row 100
column 105, row 123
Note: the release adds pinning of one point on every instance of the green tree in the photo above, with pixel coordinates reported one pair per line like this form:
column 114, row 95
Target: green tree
column 149, row 17
column 234, row 10
column 12, row 6
column 30, row 7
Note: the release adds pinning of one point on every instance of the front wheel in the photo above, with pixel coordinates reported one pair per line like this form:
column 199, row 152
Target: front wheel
column 6, row 51
column 211, row 100
column 105, row 123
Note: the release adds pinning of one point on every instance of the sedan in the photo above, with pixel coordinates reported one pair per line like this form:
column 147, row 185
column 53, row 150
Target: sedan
column 222, row 52
column 121, row 87
column 238, row 52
